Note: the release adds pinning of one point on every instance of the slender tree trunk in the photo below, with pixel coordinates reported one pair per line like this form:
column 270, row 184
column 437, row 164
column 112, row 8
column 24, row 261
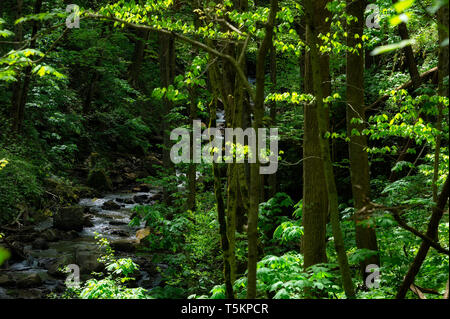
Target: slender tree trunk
column 21, row 95
column 17, row 86
column 192, row 169
column 167, row 74
column 222, row 215
column 359, row 162
column 321, row 117
column 409, row 54
column 432, row 231
column 255, row 177
column 272, row 179
column 138, row 57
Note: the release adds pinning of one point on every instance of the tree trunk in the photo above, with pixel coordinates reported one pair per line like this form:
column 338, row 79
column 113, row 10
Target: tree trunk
column 432, row 231
column 359, row 162
column 138, row 57
column 17, row 86
column 321, row 117
column 21, row 95
column 167, row 74
column 272, row 179
column 409, row 54
column 315, row 202
column 255, row 177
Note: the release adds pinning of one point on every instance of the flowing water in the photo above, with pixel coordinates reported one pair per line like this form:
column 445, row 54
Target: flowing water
column 111, row 224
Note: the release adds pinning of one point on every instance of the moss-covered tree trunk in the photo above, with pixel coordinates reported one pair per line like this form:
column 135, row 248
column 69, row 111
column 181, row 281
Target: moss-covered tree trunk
column 255, row 177
column 315, row 202
column 321, row 117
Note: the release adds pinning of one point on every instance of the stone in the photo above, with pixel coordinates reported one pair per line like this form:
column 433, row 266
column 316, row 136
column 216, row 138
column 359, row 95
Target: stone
column 120, row 233
column 140, row 199
column 144, row 188
column 99, row 180
column 29, row 280
column 88, row 262
column 110, row 205
column 124, row 245
column 5, row 281
column 56, row 267
column 70, row 235
column 142, row 234
column 69, row 218
column 117, row 223
column 88, row 221
column 50, row 235
column 131, row 176
column 156, row 196
column 40, row 243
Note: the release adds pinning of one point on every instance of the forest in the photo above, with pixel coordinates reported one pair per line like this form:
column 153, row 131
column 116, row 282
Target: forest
column 224, row 149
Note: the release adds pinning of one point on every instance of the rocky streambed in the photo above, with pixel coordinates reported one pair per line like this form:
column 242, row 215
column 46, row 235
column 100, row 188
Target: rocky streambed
column 39, row 253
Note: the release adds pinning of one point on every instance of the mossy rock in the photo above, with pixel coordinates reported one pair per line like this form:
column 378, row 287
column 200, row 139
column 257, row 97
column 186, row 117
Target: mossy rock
column 99, row 180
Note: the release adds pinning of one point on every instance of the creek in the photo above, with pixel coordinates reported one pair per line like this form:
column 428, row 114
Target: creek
column 38, row 275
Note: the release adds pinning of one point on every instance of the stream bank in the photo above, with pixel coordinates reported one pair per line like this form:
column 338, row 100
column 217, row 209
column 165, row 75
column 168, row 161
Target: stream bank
column 39, row 252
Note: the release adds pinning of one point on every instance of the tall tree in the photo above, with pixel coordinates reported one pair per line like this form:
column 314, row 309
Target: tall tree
column 21, row 95
column 167, row 75
column 315, row 205
column 322, row 120
column 359, row 162
column 255, row 177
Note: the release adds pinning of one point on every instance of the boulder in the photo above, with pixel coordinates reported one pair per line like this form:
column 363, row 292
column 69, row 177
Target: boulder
column 117, row 223
column 40, row 243
column 99, row 180
column 142, row 234
column 88, row 221
column 87, row 260
column 50, row 235
column 69, row 218
column 124, row 245
column 131, row 176
column 144, row 188
column 56, row 267
column 6, row 281
column 29, row 280
column 110, row 205
column 140, row 199
column 156, row 196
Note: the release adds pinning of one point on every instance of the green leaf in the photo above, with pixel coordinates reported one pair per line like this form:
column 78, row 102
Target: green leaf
column 4, row 255
column 403, row 5
column 392, row 47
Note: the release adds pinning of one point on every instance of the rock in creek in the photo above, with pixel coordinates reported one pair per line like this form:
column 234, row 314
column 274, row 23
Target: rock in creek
column 40, row 243
column 110, row 205
column 99, row 180
column 69, row 218
column 124, row 245
column 29, row 280
column 88, row 262
column 140, row 199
